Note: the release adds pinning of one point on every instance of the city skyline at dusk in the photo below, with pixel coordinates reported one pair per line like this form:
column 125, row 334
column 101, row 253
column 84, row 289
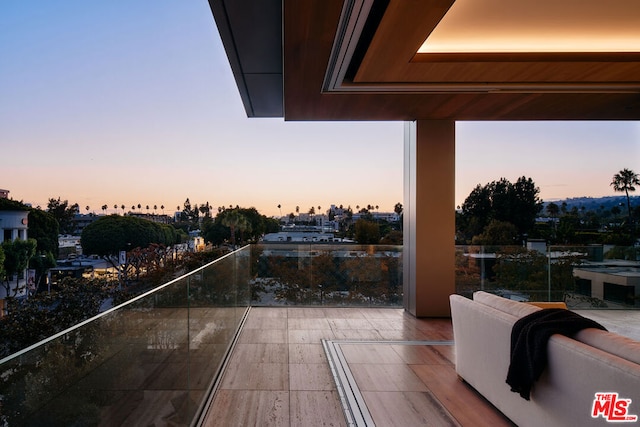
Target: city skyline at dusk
column 125, row 104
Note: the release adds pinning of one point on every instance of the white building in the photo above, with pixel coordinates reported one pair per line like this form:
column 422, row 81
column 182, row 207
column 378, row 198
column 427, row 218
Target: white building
column 300, row 236
column 13, row 226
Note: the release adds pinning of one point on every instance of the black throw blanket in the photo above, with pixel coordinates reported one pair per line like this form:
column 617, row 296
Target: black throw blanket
column 529, row 338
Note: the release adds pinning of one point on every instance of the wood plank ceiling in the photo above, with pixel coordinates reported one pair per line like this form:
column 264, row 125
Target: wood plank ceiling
column 382, row 78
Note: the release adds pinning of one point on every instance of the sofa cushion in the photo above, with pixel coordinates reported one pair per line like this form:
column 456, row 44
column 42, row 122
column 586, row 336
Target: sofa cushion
column 618, row 345
column 514, row 308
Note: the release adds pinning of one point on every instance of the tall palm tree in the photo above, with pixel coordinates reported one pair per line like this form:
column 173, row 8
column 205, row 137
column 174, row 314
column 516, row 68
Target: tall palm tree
column 625, row 181
column 398, row 210
column 235, row 220
column 553, row 210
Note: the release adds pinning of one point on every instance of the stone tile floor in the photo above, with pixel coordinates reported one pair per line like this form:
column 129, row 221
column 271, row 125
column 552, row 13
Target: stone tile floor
column 279, row 373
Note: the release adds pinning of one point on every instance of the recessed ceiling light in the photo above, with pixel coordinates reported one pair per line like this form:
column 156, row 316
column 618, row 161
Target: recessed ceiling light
column 475, row 26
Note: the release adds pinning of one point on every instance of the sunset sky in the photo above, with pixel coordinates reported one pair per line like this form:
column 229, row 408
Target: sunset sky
column 127, row 102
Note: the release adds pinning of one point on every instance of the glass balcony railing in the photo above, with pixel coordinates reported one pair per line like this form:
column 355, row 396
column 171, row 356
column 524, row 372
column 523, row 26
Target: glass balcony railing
column 149, row 361
column 154, row 359
column 593, row 276
column 325, row 274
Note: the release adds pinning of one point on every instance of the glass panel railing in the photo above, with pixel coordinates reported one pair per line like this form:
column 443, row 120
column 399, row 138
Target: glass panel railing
column 591, row 276
column 149, row 361
column 326, row 274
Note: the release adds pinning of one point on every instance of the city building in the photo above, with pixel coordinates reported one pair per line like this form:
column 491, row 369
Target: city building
column 616, row 283
column 14, row 225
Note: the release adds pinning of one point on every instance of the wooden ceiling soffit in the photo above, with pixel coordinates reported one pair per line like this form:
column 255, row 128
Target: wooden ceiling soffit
column 375, row 49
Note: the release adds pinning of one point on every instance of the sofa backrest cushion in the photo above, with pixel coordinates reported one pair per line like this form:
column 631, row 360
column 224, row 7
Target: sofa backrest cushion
column 618, row 345
column 615, row 344
column 514, row 308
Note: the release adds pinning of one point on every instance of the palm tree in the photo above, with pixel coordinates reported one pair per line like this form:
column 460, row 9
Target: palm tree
column 398, row 210
column 553, row 210
column 625, row 181
column 122, row 209
column 233, row 220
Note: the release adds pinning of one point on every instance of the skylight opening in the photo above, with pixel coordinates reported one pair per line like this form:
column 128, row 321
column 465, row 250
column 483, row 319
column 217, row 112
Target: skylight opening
column 507, row 26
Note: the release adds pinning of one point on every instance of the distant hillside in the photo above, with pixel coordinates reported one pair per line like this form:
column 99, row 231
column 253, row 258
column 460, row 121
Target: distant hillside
column 594, row 203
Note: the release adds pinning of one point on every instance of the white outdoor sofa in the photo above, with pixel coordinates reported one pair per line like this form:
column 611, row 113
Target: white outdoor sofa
column 594, row 361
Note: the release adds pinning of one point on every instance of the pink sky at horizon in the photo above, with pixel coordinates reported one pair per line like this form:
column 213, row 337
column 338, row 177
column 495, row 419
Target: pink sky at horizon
column 109, row 103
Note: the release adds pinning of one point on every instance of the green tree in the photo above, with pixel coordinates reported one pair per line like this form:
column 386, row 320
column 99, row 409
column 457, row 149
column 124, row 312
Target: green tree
column 44, row 228
column 394, row 237
column 37, row 318
column 235, row 221
column 476, row 211
column 217, row 230
column 568, row 225
column 367, row 232
column 516, row 203
column 41, row 262
column 497, row 233
column 111, row 234
column 625, row 181
column 17, row 254
column 12, row 205
column 64, row 213
column 553, row 210
column 528, row 272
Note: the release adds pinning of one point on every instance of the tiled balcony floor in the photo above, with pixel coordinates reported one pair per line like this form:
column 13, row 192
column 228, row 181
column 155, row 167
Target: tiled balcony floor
column 279, row 373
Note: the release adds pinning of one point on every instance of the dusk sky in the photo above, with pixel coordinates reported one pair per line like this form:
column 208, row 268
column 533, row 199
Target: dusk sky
column 127, row 102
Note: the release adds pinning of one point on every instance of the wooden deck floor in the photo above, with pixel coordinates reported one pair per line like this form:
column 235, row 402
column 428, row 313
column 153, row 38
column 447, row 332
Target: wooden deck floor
column 279, row 373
